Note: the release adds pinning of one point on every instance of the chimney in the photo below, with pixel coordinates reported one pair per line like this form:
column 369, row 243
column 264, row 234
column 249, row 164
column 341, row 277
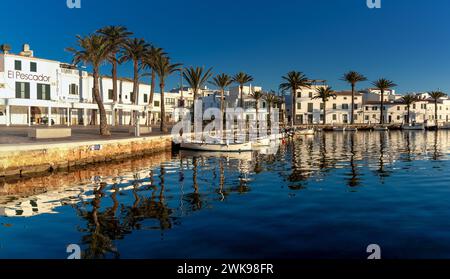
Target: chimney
column 26, row 51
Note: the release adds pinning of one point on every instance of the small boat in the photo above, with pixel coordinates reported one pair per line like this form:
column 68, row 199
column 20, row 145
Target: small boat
column 413, row 127
column 446, row 126
column 217, row 147
column 381, row 128
column 305, row 132
column 243, row 156
column 261, row 142
column 339, row 129
column 345, row 129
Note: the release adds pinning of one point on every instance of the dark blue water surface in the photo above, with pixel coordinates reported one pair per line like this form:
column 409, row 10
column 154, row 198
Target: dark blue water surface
column 327, row 196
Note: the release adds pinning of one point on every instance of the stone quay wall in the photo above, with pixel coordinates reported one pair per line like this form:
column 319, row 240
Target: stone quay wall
column 40, row 158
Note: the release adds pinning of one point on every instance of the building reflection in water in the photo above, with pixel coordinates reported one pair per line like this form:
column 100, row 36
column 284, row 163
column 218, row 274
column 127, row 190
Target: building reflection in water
column 156, row 192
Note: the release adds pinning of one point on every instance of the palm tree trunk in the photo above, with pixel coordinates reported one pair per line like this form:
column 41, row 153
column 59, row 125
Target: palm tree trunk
column 104, row 131
column 135, row 91
column 222, row 104
column 114, row 78
column 382, row 108
column 352, row 118
column 436, row 112
column 325, row 112
column 408, row 115
column 241, row 97
column 163, row 108
column 152, row 88
column 269, row 120
column 293, row 107
column 115, row 88
column 257, row 119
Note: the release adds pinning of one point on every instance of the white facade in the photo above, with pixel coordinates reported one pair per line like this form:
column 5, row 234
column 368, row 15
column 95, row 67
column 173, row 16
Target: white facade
column 367, row 108
column 34, row 90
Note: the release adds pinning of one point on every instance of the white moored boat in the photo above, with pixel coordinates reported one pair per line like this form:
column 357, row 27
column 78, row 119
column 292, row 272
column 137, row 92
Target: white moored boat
column 381, row 128
column 411, row 127
column 345, row 129
column 217, row 147
column 262, row 142
column 305, row 132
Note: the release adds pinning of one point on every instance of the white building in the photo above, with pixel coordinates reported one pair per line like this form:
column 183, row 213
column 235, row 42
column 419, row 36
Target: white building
column 40, row 91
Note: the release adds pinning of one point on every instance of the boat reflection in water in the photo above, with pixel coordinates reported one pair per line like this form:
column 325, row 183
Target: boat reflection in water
column 172, row 204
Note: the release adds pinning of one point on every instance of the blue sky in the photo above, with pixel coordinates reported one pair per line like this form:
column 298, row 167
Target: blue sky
column 407, row 41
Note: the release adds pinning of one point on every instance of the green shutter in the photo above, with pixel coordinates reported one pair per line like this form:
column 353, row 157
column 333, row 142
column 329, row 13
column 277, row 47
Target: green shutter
column 18, row 87
column 47, row 92
column 39, row 91
column 27, row 90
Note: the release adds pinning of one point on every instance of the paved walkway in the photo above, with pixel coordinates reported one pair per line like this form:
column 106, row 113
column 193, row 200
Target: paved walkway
column 19, row 135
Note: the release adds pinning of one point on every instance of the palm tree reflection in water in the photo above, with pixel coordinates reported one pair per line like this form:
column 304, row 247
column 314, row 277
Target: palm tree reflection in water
column 122, row 206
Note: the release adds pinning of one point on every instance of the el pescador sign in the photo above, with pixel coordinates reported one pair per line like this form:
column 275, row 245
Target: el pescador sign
column 18, row 75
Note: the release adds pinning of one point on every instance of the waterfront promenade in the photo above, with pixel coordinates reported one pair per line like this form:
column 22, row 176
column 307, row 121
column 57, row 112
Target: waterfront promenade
column 19, row 134
column 20, row 155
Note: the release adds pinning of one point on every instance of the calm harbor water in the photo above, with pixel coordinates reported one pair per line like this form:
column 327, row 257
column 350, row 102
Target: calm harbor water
column 327, row 196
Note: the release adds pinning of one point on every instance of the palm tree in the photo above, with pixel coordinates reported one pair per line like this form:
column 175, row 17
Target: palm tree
column 271, row 99
column 196, row 77
column 383, row 85
column 222, row 81
column 94, row 50
column 436, row 95
column 117, row 37
column 324, row 93
column 148, row 62
column 408, row 100
column 164, row 69
column 242, row 79
column 294, row 81
column 257, row 96
column 353, row 78
column 135, row 51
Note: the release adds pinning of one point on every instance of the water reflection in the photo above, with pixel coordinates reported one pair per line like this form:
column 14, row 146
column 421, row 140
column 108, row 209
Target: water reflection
column 156, row 193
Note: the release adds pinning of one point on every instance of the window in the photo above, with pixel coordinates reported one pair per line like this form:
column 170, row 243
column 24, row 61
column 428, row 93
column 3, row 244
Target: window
column 344, row 106
column 334, row 117
column 334, row 106
column 345, row 98
column 414, row 106
column 43, row 91
column 310, row 94
column 374, row 108
column 18, row 65
column 367, row 108
column 321, row 105
column 171, row 102
column 355, row 117
column 356, row 106
column 299, row 94
column 110, row 94
column 23, row 90
column 366, row 117
column 310, row 107
column 299, row 106
column 398, row 107
column 73, row 89
column 145, row 98
column 156, row 103
column 132, row 96
column 33, row 67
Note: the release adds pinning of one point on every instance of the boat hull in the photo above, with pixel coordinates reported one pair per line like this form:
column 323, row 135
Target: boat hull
column 235, row 147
